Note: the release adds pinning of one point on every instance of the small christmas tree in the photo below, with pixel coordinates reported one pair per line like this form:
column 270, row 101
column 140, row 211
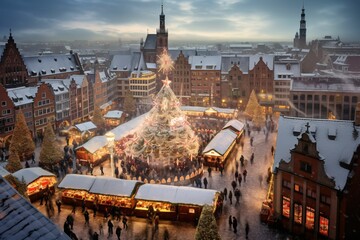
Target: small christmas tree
column 14, row 163
column 22, row 142
column 259, row 117
column 129, row 104
column 207, row 227
column 98, row 119
column 50, row 152
column 252, row 104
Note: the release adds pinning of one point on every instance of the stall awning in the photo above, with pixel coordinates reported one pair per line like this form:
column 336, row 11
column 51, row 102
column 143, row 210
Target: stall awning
column 176, row 194
column 105, row 105
column 76, row 181
column 235, row 124
column 94, row 144
column 221, row 142
column 31, row 174
column 86, row 126
column 116, row 114
column 3, row 172
column 113, row 186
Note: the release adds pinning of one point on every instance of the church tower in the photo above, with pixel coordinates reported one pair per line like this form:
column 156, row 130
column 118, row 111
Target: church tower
column 302, row 37
column 161, row 34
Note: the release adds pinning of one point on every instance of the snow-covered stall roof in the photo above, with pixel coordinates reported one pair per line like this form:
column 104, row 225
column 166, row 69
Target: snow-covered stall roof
column 76, row 181
column 128, row 127
column 3, row 172
column 86, row 126
column 221, row 142
column 113, row 186
column 175, row 194
column 193, row 108
column 332, row 149
column 21, row 220
column 236, row 124
column 207, row 109
column 113, row 114
column 94, row 144
column 31, row 174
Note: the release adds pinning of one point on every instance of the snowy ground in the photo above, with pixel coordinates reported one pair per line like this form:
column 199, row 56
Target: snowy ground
column 248, row 210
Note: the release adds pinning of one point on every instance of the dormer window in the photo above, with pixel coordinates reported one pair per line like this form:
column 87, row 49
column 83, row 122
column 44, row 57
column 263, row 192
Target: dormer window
column 288, row 66
column 39, row 60
column 43, row 71
column 52, row 70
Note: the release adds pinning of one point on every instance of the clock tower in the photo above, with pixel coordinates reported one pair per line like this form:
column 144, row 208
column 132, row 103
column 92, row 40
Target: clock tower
column 302, row 39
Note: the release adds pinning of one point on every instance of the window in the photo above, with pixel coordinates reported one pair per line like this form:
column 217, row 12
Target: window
column 43, row 95
column 310, row 193
column 306, row 167
column 239, row 78
column 298, row 213
column 298, row 188
column 3, row 103
column 310, row 218
column 324, row 225
column 286, row 207
column 325, row 199
column 286, row 184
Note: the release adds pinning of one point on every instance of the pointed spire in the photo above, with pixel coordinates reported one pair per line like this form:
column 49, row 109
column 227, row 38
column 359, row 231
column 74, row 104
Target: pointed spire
column 162, row 7
column 10, row 32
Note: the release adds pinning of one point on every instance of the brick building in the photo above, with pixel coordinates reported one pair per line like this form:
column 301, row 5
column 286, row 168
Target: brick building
column 7, row 115
column 314, row 175
column 181, row 78
column 13, row 71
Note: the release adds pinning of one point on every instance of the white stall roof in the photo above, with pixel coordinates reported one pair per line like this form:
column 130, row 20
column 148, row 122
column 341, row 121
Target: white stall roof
column 236, row 124
column 113, row 114
column 175, row 194
column 21, row 220
column 86, row 126
column 31, row 174
column 221, row 142
column 157, row 192
column 76, row 181
column 195, row 196
column 113, row 186
column 3, row 172
column 94, row 144
column 128, row 127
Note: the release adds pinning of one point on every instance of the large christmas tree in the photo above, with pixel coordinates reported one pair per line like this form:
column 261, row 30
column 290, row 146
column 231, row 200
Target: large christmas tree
column 165, row 132
column 21, row 141
column 252, row 104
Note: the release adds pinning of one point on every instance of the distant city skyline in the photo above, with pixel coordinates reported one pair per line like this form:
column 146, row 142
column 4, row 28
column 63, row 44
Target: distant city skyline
column 199, row 20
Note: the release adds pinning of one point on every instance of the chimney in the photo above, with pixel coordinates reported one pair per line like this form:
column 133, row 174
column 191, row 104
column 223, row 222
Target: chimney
column 357, row 114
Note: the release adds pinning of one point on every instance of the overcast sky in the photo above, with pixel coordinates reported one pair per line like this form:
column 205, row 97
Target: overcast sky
column 227, row 20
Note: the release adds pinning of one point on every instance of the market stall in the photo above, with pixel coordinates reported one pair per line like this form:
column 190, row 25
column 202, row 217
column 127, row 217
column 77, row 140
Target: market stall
column 75, row 188
column 108, row 192
column 158, row 197
column 37, row 181
column 114, row 118
column 82, row 131
column 219, row 147
column 191, row 201
column 93, row 151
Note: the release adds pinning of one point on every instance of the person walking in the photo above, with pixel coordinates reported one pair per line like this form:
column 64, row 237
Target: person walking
column 205, row 182
column 95, row 208
column 124, row 221
column 86, row 216
column 240, row 179
column 102, row 169
column 58, row 204
column 225, row 193
column 110, row 228
column 230, row 222
column 70, row 220
column 209, row 171
column 233, row 184
column 118, row 232
column 244, row 174
column 33, row 158
column 247, row 229
column 230, row 197
column 234, row 223
column 237, row 194
column 156, row 221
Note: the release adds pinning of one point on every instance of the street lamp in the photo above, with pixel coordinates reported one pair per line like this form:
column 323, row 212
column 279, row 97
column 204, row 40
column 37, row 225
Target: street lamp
column 110, row 137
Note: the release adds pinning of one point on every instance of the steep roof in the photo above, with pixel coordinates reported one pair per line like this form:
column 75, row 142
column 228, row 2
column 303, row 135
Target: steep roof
column 227, row 63
column 21, row 220
column 286, row 67
column 150, row 42
column 127, row 62
column 341, row 148
column 205, row 62
column 267, row 58
column 51, row 64
column 22, row 95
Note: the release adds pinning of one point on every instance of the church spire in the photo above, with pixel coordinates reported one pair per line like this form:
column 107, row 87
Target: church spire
column 162, row 19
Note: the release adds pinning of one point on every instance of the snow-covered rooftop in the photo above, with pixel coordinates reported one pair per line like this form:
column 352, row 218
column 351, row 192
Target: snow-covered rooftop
column 94, row 144
column 3, row 172
column 21, row 220
column 176, row 194
column 113, row 186
column 236, row 124
column 221, row 142
column 76, row 181
column 126, row 128
column 31, row 174
column 267, row 58
column 22, row 95
column 113, row 114
column 332, row 151
column 86, row 126
column 326, row 84
column 205, row 62
column 286, row 68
